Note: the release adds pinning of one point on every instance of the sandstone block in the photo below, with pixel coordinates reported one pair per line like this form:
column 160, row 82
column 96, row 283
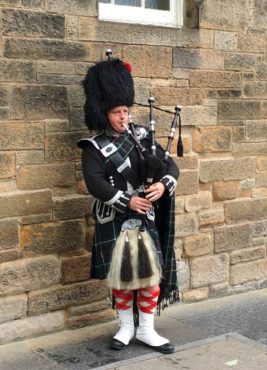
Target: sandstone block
column 13, row 308
column 195, row 202
column 179, row 205
column 31, row 326
column 76, row 96
column 223, row 94
column 149, row 61
column 242, row 273
column 75, row 268
column 17, row 71
column 234, row 237
column 91, row 318
column 35, row 219
column 9, row 255
column 211, row 216
column 7, row 185
column 33, row 3
column 226, row 169
column 71, row 27
column 24, row 157
column 259, row 20
column 21, row 135
column 174, row 95
column 4, row 96
column 55, row 79
column 76, row 206
column 4, row 112
column 208, row 270
column 238, row 133
column 55, row 67
column 188, row 162
column 198, row 245
column 7, row 165
column 246, row 149
column 212, row 139
column 195, row 295
column 61, row 146
column 187, row 183
column 245, row 209
column 87, row 308
column 226, row 41
column 250, row 254
column 58, row 297
column 259, row 241
column 9, row 234
column 252, row 41
column 224, row 190
column 199, row 115
column 9, row 2
column 52, row 237
column 28, row 274
column 260, row 4
column 76, row 7
column 39, row 102
column 183, row 274
column 261, row 163
column 257, row 89
column 259, row 229
column 45, row 176
column 197, row 59
column 238, row 109
column 215, row 79
column 215, row 288
column 44, row 49
column 186, row 224
column 261, row 71
column 225, row 16
column 241, row 61
column 261, row 179
column 32, row 24
column 256, row 130
column 25, row 203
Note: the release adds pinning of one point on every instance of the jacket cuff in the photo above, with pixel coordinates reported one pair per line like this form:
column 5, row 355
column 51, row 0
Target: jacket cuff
column 169, row 182
column 120, row 201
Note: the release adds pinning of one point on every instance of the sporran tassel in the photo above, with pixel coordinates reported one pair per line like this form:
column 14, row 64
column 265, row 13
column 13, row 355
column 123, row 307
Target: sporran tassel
column 126, row 265
column 144, row 266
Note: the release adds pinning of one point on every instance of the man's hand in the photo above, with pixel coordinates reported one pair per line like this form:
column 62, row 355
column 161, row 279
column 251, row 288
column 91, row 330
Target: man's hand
column 140, row 205
column 155, row 191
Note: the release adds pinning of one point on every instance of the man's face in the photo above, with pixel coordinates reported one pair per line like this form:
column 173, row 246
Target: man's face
column 118, row 116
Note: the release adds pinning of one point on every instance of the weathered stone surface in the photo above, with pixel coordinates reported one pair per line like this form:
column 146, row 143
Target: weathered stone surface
column 9, row 234
column 256, row 130
column 4, row 112
column 28, row 135
column 25, row 203
column 71, row 27
column 215, row 79
column 238, row 109
column 87, row 308
column 208, row 270
column 261, row 163
column 93, row 30
column 149, row 61
column 238, row 133
column 7, row 185
column 32, row 326
column 249, row 271
column 54, row 79
column 199, row 115
column 261, row 71
column 257, row 89
column 226, row 169
column 45, row 176
column 259, row 229
column 224, row 190
column 28, row 274
column 52, row 237
column 186, row 224
column 39, row 102
column 223, row 93
column 29, row 157
column 9, row 255
column 212, row 139
column 7, row 165
column 188, row 183
column 91, row 318
column 259, row 241
column 4, row 95
column 59, row 297
column 245, row 209
column 179, row 205
column 211, row 216
column 241, row 61
column 195, row 295
column 246, row 255
column 75, row 268
column 60, row 147
column 174, row 95
column 261, row 179
column 17, row 71
column 232, row 237
column 44, row 49
column 13, row 308
column 32, row 24
column 33, row 3
column 259, row 20
column 226, row 41
column 72, row 7
column 56, row 125
column 195, row 202
column 8, row 2
column 55, row 67
column 197, row 59
column 75, row 206
column 253, row 149
column 198, row 245
column 188, row 162
column 253, row 41
column 227, row 15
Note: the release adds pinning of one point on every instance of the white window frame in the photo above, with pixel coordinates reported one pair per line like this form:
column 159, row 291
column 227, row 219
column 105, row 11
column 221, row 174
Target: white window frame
column 133, row 14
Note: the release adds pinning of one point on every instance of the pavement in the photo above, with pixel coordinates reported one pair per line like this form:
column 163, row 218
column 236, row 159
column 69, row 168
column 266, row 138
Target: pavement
column 216, row 334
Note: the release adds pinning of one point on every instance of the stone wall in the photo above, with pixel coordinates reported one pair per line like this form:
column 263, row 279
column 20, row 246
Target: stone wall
column 217, row 72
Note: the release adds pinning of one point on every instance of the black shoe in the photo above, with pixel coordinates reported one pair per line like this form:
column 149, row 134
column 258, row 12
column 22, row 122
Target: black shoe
column 165, row 348
column 116, row 344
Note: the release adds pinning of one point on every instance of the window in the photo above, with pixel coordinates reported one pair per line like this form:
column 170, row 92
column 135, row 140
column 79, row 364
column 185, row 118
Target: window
column 168, row 13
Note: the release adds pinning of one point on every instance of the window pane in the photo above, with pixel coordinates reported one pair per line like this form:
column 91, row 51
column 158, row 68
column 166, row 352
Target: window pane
column 158, row 4
column 128, row 2
column 105, row 1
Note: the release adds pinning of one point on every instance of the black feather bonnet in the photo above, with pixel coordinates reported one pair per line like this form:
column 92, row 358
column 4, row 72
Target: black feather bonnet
column 107, row 84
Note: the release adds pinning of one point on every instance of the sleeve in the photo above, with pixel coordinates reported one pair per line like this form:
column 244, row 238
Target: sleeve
column 95, row 178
